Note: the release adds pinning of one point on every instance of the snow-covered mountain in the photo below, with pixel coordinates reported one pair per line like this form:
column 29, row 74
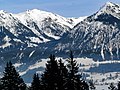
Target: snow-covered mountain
column 110, row 8
column 76, row 20
column 30, row 36
column 96, row 36
column 46, row 25
column 40, row 26
column 20, row 32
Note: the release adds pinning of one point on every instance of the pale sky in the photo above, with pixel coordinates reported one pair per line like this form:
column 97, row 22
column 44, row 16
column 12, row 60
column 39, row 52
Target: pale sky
column 66, row 8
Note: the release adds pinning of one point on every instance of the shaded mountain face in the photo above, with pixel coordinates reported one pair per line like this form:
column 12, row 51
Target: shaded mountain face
column 28, row 32
column 34, row 34
column 98, row 36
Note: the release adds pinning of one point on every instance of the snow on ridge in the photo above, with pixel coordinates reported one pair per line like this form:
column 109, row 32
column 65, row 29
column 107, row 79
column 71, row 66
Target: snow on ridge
column 110, row 8
column 39, row 16
column 2, row 11
column 109, row 3
column 77, row 20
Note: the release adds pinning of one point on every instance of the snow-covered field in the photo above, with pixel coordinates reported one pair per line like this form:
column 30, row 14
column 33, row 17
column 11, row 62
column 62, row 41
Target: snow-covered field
column 102, row 87
column 101, row 72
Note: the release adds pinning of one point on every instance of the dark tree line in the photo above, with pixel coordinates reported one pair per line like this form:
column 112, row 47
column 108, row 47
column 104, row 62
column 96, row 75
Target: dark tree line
column 11, row 79
column 57, row 76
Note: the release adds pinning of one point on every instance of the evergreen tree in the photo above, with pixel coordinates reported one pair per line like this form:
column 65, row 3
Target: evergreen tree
column 50, row 77
column 11, row 79
column 74, row 82
column 0, row 84
column 84, row 86
column 118, row 85
column 63, row 75
column 35, row 85
column 112, row 87
column 91, row 84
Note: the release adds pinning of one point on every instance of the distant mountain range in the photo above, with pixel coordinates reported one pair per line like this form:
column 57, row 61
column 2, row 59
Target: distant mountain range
column 35, row 34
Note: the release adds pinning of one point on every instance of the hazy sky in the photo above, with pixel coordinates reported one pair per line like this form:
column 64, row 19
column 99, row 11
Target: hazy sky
column 67, row 8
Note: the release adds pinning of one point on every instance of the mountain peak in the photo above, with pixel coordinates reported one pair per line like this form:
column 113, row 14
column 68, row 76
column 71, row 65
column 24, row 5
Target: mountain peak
column 37, row 11
column 33, row 10
column 110, row 8
column 40, row 17
column 109, row 3
column 2, row 11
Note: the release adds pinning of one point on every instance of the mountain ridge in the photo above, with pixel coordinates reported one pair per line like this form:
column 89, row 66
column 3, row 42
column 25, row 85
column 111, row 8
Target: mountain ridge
column 27, row 39
column 91, row 36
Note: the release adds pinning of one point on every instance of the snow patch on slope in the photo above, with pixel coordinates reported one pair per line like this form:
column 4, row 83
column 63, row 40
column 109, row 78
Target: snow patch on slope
column 38, row 16
column 7, row 42
column 75, row 21
column 31, row 53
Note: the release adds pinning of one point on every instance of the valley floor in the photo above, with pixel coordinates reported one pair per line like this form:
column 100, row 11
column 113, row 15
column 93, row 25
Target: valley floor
column 102, row 73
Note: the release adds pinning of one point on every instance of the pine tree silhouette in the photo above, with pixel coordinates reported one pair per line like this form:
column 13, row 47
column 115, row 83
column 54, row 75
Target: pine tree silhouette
column 91, row 85
column 36, row 84
column 63, row 75
column 50, row 77
column 74, row 82
column 118, row 85
column 11, row 79
column 0, row 84
column 112, row 87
